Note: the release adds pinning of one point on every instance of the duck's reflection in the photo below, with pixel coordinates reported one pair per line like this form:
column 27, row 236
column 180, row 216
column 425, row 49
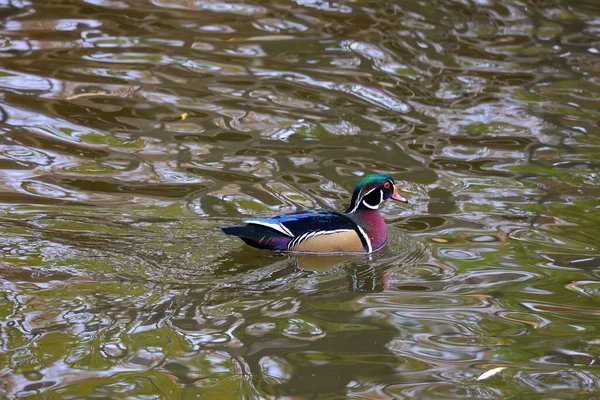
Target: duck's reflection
column 297, row 323
column 363, row 272
column 297, row 333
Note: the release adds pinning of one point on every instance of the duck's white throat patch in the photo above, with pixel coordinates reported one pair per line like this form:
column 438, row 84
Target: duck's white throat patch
column 373, row 206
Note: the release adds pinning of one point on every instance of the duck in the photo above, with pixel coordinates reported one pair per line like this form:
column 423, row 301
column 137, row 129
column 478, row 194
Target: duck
column 358, row 230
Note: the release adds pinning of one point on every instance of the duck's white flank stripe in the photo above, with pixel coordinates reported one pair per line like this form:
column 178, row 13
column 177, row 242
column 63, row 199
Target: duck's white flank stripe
column 299, row 239
column 278, row 227
column 367, row 239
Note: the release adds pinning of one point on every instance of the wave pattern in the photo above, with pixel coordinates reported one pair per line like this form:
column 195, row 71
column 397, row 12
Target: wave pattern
column 131, row 129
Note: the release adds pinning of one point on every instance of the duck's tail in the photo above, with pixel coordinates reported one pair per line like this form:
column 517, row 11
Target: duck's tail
column 257, row 236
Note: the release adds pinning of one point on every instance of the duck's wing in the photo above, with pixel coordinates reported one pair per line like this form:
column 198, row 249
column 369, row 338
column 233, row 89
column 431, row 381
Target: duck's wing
column 314, row 231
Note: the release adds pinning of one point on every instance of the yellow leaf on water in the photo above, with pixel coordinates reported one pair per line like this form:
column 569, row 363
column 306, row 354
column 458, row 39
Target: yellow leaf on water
column 184, row 116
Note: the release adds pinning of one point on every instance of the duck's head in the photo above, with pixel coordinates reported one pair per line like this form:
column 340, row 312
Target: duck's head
column 372, row 190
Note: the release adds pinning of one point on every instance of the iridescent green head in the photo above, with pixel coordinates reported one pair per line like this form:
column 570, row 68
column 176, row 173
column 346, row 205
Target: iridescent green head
column 371, row 191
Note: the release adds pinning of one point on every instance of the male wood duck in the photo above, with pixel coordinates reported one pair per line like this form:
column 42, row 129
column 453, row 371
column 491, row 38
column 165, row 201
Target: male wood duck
column 360, row 229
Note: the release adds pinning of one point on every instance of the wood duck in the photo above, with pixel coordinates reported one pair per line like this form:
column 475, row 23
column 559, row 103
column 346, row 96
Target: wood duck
column 360, row 229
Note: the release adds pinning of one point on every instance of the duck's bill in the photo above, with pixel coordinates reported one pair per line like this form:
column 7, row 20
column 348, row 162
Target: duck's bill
column 397, row 197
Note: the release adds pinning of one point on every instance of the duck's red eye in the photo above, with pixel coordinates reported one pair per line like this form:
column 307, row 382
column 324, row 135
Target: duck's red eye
column 386, row 185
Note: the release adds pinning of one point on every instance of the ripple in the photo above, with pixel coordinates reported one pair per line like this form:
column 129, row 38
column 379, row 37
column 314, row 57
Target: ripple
column 547, row 239
column 261, row 328
column 278, row 25
column 20, row 81
column 44, row 189
column 465, row 153
column 127, row 138
column 276, row 368
column 214, row 6
column 459, row 254
column 55, row 25
column 552, row 308
column 427, row 272
column 430, row 353
column 24, row 156
column 469, row 343
column 589, row 288
column 568, row 357
column 217, row 28
column 444, row 391
column 329, row 6
column 281, row 307
column 561, row 379
column 130, row 58
column 302, row 329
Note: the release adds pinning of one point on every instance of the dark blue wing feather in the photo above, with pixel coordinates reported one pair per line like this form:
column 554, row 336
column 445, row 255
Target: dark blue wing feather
column 310, row 221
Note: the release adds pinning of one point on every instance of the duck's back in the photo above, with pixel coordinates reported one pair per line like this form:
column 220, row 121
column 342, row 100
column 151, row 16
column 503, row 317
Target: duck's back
column 312, row 231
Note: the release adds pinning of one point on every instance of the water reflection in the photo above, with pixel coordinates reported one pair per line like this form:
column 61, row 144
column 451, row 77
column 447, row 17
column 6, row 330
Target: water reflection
column 129, row 131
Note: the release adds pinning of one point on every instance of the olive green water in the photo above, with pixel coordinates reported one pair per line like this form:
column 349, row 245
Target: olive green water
column 131, row 129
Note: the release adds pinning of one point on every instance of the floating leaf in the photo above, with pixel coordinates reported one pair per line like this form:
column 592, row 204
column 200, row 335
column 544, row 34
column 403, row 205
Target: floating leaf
column 490, row 373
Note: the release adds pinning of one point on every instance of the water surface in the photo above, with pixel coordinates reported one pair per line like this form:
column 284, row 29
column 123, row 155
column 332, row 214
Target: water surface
column 131, row 129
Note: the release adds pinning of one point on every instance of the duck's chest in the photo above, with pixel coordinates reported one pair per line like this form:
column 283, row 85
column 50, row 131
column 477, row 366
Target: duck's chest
column 373, row 226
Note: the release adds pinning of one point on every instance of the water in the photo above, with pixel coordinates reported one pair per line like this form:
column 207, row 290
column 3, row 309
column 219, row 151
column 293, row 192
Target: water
column 131, row 129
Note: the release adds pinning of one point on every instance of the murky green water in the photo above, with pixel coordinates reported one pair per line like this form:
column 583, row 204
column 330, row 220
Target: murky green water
column 131, row 129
